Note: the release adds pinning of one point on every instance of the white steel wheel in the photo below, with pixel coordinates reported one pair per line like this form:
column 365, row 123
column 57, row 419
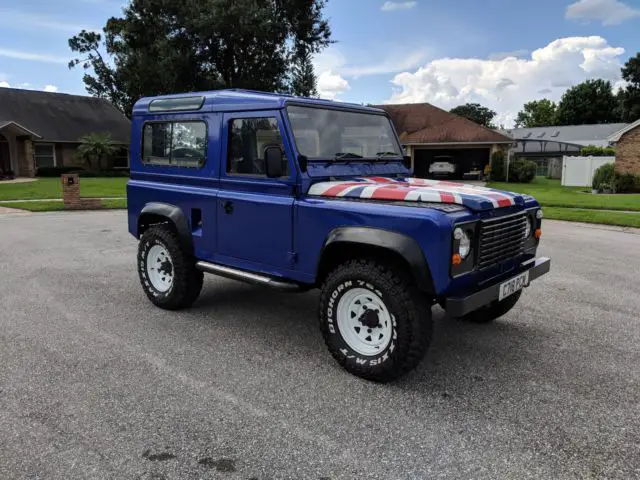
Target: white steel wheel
column 364, row 322
column 160, row 268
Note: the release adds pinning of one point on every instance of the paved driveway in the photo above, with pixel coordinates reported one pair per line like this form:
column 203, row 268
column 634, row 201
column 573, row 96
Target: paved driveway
column 96, row 383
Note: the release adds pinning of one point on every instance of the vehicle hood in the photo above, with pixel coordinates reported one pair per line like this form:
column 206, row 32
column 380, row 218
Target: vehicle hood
column 474, row 197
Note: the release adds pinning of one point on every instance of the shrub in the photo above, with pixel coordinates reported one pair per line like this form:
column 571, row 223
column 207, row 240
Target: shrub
column 56, row 171
column 522, row 171
column 497, row 173
column 120, row 172
column 626, row 183
column 603, row 175
column 595, row 151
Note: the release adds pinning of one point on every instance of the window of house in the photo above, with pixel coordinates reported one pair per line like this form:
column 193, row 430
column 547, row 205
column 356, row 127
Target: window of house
column 120, row 159
column 180, row 144
column 44, row 155
column 248, row 138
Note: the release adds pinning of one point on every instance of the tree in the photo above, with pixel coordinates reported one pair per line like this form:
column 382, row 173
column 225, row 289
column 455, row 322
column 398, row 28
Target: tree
column 629, row 97
column 160, row 47
column 588, row 103
column 303, row 81
column 476, row 113
column 538, row 113
column 96, row 146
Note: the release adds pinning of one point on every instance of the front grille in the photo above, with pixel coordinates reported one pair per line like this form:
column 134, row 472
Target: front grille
column 501, row 239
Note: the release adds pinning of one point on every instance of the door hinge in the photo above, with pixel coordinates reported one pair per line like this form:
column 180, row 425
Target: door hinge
column 292, row 257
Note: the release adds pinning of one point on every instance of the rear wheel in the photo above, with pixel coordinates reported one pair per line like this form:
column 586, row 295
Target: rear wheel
column 167, row 272
column 494, row 310
column 374, row 321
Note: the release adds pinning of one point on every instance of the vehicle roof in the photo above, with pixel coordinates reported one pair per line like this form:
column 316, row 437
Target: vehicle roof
column 242, row 100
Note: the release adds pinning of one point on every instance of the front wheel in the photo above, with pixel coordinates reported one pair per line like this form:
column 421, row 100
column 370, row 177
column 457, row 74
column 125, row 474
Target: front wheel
column 167, row 272
column 374, row 321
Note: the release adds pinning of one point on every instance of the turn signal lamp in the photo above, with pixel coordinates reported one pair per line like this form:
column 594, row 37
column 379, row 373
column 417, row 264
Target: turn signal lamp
column 538, row 233
column 456, row 259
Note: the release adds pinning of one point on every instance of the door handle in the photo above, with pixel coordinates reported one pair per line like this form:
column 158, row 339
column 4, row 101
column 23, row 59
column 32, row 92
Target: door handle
column 228, row 207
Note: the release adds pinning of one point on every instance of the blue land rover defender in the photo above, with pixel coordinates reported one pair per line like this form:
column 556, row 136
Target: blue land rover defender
column 296, row 193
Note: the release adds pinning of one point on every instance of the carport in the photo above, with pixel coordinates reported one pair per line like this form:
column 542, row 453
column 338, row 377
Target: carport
column 428, row 132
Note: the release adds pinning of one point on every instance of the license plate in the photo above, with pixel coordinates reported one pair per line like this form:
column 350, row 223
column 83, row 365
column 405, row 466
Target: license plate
column 513, row 285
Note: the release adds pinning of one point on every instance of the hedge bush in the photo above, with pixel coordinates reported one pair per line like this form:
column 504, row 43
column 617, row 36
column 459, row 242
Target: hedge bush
column 606, row 177
column 626, row 183
column 120, row 172
column 56, row 171
column 594, row 151
column 603, row 176
column 522, row 171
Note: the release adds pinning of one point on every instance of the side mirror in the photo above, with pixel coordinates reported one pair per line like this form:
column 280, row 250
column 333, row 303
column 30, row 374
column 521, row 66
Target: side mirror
column 273, row 161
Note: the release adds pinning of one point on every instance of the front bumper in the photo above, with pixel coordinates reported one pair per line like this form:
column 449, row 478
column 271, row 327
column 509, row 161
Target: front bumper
column 460, row 306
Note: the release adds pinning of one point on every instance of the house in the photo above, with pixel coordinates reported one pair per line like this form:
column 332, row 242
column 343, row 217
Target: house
column 547, row 145
column 428, row 132
column 42, row 129
column 627, row 143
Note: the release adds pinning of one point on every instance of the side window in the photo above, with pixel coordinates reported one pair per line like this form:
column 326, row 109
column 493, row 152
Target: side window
column 248, row 137
column 179, row 144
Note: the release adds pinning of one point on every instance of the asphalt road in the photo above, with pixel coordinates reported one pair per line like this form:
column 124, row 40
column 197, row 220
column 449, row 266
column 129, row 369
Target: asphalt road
column 97, row 383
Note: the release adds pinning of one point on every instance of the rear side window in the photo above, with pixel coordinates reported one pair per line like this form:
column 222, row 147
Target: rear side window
column 177, row 144
column 248, row 137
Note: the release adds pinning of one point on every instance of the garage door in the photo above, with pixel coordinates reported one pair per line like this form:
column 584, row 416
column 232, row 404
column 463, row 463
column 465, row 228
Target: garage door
column 465, row 159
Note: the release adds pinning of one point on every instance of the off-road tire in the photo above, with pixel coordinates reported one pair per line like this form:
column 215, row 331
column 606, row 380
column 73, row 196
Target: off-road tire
column 494, row 310
column 409, row 309
column 187, row 280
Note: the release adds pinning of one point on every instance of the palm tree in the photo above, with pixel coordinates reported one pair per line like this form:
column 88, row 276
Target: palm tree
column 96, row 146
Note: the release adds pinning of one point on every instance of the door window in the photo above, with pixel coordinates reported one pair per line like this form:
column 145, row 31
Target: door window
column 248, row 138
column 178, row 144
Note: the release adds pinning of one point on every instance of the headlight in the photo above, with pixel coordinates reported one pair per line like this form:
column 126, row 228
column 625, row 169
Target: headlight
column 529, row 227
column 539, row 214
column 464, row 242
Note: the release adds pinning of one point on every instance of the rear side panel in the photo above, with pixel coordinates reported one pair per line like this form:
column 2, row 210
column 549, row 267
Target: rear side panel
column 193, row 190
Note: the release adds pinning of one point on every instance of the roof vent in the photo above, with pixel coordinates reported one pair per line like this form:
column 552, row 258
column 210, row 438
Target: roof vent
column 541, row 135
column 527, row 135
column 556, row 133
column 176, row 104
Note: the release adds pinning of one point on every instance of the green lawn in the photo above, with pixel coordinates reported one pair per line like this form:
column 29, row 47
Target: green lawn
column 593, row 216
column 551, row 194
column 51, row 188
column 115, row 203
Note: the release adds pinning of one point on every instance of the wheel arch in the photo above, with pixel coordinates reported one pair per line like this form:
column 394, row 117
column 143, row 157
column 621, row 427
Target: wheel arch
column 156, row 212
column 344, row 243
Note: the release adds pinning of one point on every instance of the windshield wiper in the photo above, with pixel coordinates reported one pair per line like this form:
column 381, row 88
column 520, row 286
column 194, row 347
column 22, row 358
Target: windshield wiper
column 386, row 155
column 343, row 156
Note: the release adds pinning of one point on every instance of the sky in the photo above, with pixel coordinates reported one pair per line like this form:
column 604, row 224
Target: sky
column 499, row 53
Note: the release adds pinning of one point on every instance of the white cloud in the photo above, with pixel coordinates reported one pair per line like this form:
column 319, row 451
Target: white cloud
column 30, row 56
column 28, row 86
column 609, row 12
column 505, row 85
column 503, row 55
column 26, row 20
column 332, row 59
column 390, row 6
column 330, row 85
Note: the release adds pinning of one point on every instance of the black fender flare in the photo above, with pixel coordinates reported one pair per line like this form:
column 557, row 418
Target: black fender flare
column 401, row 244
column 175, row 215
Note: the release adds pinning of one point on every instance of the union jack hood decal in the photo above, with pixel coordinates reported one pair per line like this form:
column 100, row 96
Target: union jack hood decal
column 417, row 190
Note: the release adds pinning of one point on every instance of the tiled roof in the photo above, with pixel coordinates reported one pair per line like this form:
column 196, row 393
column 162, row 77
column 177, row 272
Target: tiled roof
column 575, row 134
column 418, row 123
column 61, row 117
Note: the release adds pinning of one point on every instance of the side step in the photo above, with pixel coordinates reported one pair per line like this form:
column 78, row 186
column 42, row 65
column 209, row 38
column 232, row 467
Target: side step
column 248, row 277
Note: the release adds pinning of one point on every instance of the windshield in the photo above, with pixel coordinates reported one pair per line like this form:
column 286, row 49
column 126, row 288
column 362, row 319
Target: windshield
column 323, row 133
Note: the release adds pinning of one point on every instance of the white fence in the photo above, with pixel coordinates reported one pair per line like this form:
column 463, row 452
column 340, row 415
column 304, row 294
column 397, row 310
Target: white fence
column 578, row 171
